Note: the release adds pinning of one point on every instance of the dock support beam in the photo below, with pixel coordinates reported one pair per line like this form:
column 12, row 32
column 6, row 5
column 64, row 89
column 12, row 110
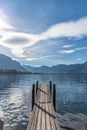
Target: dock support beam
column 1, row 125
column 54, row 96
column 33, row 95
column 51, row 88
column 37, row 86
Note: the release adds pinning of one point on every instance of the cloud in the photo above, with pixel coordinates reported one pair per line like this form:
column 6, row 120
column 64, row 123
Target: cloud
column 31, row 59
column 68, row 45
column 12, row 39
column 17, row 41
column 72, row 50
column 66, row 51
column 67, row 29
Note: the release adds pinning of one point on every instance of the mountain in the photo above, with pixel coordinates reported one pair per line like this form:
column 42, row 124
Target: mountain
column 61, row 68
column 42, row 69
column 7, row 64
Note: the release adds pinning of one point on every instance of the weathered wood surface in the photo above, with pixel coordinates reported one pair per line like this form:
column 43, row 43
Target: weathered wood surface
column 86, row 126
column 43, row 115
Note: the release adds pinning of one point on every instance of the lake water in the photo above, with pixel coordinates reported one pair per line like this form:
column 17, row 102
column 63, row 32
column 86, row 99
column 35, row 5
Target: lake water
column 15, row 100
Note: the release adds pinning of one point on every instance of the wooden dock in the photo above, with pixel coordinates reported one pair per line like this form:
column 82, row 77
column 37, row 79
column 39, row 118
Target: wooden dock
column 43, row 111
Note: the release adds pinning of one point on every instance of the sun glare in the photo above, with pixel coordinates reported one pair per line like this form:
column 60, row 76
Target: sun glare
column 3, row 21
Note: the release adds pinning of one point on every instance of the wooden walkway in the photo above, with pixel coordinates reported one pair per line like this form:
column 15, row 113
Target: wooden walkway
column 43, row 115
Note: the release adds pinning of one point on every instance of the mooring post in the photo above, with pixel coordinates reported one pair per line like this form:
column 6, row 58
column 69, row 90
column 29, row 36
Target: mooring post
column 51, row 88
column 33, row 95
column 36, row 86
column 54, row 96
column 1, row 125
column 86, row 126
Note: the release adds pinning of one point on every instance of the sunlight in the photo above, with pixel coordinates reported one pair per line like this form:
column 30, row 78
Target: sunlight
column 3, row 22
column 16, row 97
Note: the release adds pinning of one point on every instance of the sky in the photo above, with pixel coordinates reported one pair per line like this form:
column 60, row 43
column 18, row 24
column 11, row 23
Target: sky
column 44, row 32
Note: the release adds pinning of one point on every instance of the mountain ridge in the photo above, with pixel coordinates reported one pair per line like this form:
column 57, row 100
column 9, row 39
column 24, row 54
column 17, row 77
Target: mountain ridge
column 61, row 68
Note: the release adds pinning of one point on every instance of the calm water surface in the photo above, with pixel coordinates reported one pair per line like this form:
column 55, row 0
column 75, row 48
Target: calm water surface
column 15, row 100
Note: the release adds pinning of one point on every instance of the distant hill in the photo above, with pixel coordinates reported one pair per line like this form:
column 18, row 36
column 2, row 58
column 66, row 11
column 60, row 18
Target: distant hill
column 61, row 68
column 8, row 65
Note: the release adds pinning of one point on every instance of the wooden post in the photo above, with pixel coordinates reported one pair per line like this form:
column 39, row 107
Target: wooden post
column 51, row 88
column 1, row 125
column 36, row 86
column 33, row 95
column 86, row 126
column 54, row 96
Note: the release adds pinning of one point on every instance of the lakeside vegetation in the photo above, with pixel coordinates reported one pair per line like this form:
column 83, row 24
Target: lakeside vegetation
column 10, row 71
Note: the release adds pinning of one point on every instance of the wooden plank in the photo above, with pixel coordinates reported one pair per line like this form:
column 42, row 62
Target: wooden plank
column 43, row 109
column 52, row 116
column 55, row 120
column 34, row 114
column 31, row 119
column 39, row 120
column 86, row 126
column 38, row 127
column 48, row 127
column 37, row 105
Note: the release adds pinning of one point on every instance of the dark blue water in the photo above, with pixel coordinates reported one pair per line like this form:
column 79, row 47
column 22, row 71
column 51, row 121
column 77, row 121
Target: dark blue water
column 15, row 100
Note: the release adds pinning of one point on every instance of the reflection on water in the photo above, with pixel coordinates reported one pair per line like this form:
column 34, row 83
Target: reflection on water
column 15, row 100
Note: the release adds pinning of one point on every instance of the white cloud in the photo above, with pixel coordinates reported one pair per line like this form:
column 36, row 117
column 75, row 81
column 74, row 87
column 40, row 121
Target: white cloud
column 66, row 29
column 72, row 50
column 31, row 59
column 68, row 45
column 66, row 51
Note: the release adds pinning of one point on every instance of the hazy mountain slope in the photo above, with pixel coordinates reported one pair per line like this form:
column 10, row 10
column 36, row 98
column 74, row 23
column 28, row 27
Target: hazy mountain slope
column 6, row 63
